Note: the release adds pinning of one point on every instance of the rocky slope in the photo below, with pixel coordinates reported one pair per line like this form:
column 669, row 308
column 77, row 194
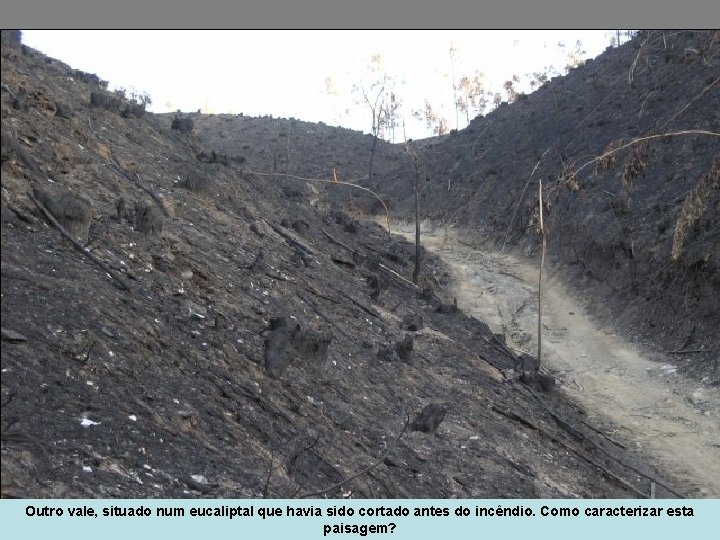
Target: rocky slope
column 204, row 331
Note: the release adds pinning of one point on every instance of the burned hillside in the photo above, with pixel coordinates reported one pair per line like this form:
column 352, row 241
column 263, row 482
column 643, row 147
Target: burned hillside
column 176, row 326
column 627, row 147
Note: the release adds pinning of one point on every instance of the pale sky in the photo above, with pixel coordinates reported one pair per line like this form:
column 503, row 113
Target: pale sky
column 283, row 73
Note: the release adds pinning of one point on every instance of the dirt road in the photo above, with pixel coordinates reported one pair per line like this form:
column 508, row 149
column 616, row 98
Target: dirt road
column 634, row 396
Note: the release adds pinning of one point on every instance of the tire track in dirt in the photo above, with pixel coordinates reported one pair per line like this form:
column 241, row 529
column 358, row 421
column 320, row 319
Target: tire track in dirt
column 635, row 396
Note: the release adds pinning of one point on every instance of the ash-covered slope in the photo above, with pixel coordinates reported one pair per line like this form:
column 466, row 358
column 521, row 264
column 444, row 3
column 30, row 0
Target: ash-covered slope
column 229, row 339
column 280, row 146
column 639, row 228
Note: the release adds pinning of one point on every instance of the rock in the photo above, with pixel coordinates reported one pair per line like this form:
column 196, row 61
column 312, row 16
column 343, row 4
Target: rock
column 429, row 419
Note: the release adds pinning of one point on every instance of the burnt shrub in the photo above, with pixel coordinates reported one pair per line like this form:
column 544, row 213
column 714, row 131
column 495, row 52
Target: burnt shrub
column 73, row 212
column 183, row 125
column 63, row 111
column 196, row 182
column 101, row 100
column 133, row 110
column 148, row 218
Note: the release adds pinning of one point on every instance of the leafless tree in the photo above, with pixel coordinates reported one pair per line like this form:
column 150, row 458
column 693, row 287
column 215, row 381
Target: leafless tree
column 376, row 95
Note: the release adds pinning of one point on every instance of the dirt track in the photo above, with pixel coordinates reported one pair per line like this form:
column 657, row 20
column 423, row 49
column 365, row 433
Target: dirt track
column 634, row 396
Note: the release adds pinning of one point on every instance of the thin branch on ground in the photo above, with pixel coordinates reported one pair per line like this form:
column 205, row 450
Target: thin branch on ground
column 577, row 435
column 392, row 273
column 270, row 471
column 693, row 100
column 540, row 276
column 642, row 139
column 135, row 179
column 119, row 282
column 637, row 57
column 522, row 196
column 363, row 471
column 582, row 455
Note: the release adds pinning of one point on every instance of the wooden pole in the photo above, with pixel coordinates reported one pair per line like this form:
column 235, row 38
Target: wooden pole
column 542, row 263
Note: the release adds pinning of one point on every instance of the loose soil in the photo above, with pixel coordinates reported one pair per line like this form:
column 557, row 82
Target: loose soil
column 636, row 395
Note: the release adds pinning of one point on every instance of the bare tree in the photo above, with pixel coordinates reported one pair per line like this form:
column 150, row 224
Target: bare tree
column 471, row 97
column 539, row 78
column 418, row 173
column 340, row 107
column 438, row 124
column 453, row 52
column 376, row 96
column 509, row 87
column 574, row 57
column 392, row 114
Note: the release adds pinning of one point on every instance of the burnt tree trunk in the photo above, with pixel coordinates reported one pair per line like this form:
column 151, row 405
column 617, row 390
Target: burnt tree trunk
column 372, row 156
column 416, row 271
column 415, row 183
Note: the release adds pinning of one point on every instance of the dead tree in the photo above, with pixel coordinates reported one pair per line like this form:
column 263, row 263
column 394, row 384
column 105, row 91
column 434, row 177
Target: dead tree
column 380, row 100
column 417, row 171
